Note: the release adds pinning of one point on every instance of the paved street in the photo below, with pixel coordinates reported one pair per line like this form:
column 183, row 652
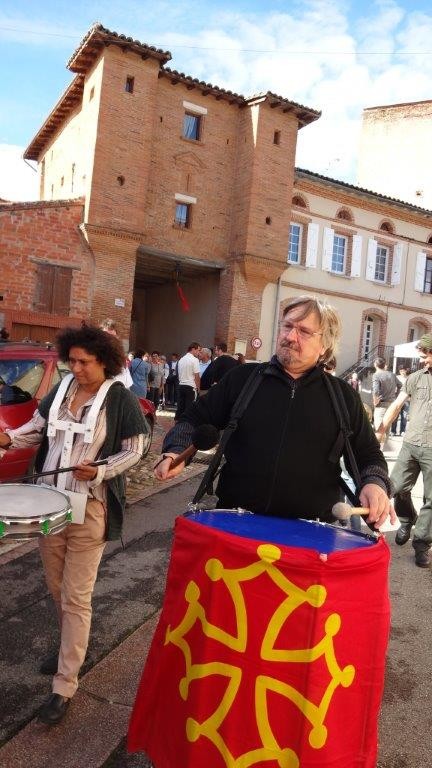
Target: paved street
column 127, row 599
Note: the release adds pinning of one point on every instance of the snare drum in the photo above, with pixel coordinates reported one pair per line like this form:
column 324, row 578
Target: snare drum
column 270, row 647
column 29, row 511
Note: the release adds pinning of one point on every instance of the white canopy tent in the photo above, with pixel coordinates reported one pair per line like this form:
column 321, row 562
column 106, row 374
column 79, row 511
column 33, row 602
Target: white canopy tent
column 407, row 350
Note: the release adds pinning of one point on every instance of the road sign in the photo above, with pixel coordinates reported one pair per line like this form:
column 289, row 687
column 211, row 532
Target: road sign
column 256, row 342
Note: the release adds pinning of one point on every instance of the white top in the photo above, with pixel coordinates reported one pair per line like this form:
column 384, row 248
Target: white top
column 187, row 366
column 125, row 377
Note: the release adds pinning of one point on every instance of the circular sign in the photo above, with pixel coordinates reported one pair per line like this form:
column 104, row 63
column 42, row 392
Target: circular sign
column 256, row 342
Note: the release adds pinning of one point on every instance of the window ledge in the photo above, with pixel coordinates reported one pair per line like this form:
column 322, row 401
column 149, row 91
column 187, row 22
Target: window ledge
column 339, row 274
column 195, row 142
column 180, row 228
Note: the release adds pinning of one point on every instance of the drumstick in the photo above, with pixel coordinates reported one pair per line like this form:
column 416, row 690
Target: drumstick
column 343, row 511
column 55, row 471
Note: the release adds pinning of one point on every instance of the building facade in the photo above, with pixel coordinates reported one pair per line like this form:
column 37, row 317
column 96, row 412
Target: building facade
column 185, row 185
column 160, row 191
column 370, row 256
column 47, row 268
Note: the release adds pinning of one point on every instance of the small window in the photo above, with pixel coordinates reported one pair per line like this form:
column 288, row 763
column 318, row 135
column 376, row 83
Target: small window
column 91, row 93
column 339, row 254
column 298, row 201
column 53, row 285
column 381, row 263
column 129, row 85
column 428, row 277
column 294, row 247
column 277, row 138
column 183, row 215
column 192, row 127
column 344, row 215
column 387, row 226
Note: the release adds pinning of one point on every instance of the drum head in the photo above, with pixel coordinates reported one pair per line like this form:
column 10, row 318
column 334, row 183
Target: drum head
column 276, row 530
column 19, row 501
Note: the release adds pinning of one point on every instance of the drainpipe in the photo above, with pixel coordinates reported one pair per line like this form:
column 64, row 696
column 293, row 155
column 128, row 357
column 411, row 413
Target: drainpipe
column 276, row 315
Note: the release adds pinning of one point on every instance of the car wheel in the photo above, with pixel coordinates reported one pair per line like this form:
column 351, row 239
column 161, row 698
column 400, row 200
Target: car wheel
column 147, row 438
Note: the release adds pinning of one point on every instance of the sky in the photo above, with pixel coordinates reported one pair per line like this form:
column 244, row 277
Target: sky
column 337, row 56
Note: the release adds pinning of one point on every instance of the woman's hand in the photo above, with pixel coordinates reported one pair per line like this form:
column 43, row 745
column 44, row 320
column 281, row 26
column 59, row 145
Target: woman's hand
column 85, row 471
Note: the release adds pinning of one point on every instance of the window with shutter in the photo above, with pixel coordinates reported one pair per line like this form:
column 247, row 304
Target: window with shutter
column 53, row 289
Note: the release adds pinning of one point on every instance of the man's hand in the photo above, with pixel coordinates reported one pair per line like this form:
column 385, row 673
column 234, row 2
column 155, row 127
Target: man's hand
column 5, row 440
column 376, row 500
column 85, row 472
column 162, row 469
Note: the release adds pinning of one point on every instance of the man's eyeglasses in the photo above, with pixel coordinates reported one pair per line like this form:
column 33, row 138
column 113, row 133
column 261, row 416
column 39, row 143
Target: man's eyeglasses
column 300, row 330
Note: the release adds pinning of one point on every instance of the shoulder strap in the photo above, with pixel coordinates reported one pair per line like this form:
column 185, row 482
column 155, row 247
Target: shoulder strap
column 237, row 412
column 342, row 441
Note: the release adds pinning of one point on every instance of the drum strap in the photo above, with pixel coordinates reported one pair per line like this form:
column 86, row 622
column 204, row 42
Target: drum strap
column 240, row 405
column 342, row 443
column 71, row 428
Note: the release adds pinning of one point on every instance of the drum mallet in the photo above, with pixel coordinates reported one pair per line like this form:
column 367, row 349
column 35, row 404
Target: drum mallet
column 203, row 438
column 344, row 511
column 54, row 471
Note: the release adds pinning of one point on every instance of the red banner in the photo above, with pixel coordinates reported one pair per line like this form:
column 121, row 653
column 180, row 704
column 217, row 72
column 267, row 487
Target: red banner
column 264, row 655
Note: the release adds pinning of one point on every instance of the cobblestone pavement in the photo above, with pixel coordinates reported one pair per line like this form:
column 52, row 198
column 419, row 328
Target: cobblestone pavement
column 140, row 479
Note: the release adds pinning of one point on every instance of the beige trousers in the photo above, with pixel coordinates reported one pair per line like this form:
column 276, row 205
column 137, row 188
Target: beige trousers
column 71, row 560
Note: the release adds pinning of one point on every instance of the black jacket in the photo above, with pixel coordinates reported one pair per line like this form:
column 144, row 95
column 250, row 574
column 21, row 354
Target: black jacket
column 277, row 461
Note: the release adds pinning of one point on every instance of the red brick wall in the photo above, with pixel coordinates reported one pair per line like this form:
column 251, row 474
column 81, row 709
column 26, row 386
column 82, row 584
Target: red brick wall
column 31, row 233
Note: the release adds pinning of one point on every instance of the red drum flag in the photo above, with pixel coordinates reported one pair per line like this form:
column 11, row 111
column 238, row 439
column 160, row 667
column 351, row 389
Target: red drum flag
column 265, row 655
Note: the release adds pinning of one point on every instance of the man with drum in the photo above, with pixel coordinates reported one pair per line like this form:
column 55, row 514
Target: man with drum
column 87, row 418
column 283, row 457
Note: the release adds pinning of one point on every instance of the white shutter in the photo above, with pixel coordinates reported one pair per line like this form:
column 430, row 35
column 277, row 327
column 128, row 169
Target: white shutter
column 328, row 237
column 420, row 272
column 356, row 255
column 371, row 259
column 312, row 245
column 397, row 263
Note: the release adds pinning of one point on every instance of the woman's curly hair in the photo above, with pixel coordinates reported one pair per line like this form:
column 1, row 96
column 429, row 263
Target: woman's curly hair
column 106, row 348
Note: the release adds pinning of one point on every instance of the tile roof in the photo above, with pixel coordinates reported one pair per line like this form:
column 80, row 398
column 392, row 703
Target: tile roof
column 83, row 58
column 11, row 205
column 302, row 173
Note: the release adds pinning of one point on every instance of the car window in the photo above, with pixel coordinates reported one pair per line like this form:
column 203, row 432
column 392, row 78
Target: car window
column 26, row 374
column 61, row 370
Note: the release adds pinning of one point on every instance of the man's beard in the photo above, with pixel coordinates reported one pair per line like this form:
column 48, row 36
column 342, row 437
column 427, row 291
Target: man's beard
column 286, row 352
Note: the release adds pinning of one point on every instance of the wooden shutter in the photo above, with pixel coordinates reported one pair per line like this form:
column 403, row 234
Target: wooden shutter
column 312, row 245
column 371, row 259
column 420, row 272
column 44, row 287
column 328, row 238
column 61, row 290
column 356, row 255
column 397, row 264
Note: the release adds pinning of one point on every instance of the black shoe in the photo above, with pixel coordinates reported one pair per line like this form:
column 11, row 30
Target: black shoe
column 53, row 710
column 422, row 558
column 49, row 664
column 403, row 533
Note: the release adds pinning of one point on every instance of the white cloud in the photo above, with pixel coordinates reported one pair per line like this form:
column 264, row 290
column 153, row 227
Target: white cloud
column 18, row 181
column 316, row 53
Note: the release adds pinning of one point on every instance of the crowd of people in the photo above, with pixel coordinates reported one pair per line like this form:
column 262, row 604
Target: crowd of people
column 174, row 381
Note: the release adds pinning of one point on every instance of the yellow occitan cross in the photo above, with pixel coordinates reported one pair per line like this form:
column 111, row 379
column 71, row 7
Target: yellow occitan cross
column 315, row 596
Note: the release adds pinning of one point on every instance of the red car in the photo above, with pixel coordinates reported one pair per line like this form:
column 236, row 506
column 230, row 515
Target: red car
column 30, row 371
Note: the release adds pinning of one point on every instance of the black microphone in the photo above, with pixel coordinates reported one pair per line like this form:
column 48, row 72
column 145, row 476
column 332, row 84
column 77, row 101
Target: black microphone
column 203, row 438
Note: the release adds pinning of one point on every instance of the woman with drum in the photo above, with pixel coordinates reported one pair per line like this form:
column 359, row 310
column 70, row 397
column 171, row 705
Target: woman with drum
column 88, row 418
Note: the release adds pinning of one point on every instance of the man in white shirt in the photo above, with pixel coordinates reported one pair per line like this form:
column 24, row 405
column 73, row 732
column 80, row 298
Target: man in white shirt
column 189, row 377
